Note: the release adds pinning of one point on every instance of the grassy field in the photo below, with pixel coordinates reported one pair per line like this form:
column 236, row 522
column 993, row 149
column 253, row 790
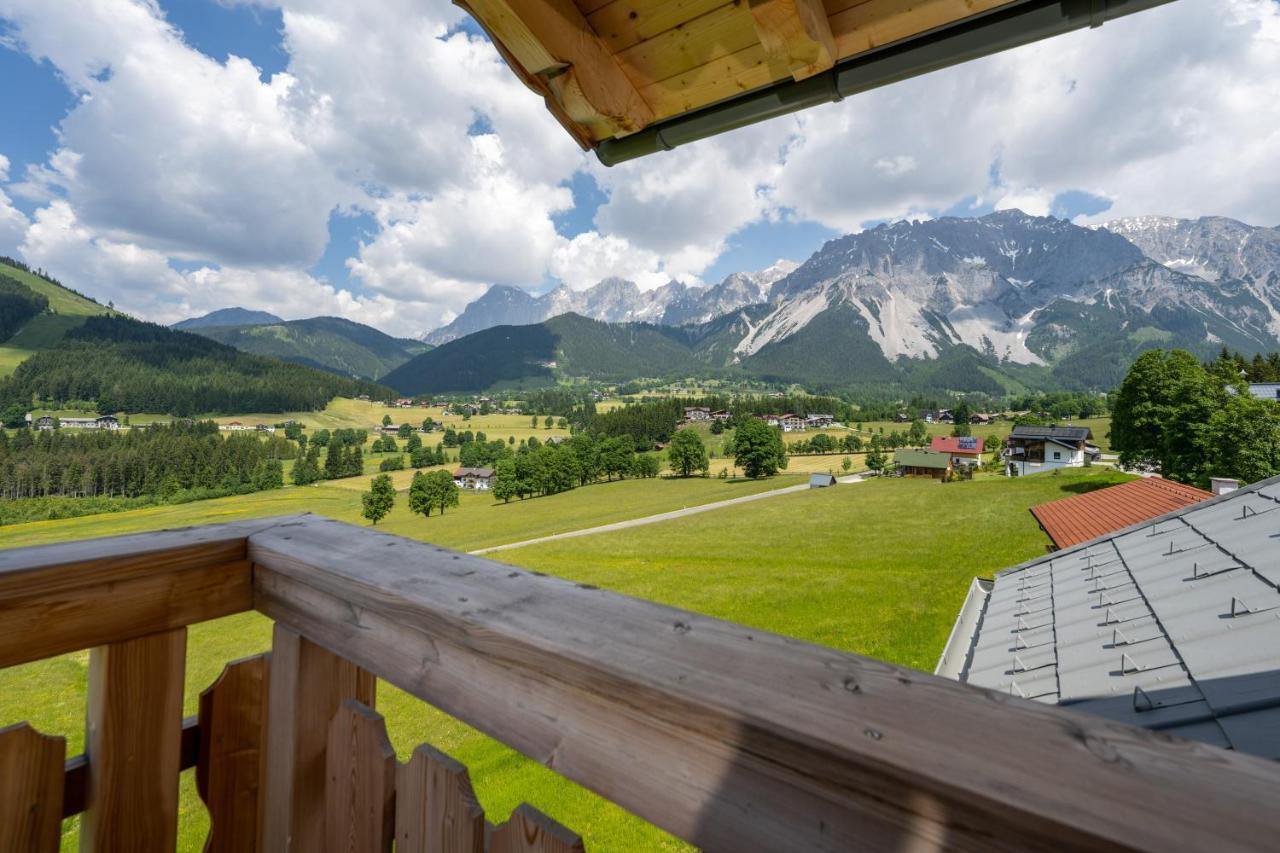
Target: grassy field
column 878, row 568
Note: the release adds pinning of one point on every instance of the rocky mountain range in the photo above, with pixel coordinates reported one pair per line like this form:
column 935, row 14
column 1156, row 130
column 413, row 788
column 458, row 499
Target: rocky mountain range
column 1010, row 298
column 613, row 300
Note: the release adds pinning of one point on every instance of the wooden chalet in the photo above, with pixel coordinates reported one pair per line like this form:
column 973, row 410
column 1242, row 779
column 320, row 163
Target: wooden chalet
column 920, row 462
column 1033, row 449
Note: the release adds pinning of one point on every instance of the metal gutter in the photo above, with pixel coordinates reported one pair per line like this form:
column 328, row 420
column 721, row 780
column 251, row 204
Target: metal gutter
column 973, row 38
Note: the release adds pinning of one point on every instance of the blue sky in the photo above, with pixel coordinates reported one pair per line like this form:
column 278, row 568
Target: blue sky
column 354, row 169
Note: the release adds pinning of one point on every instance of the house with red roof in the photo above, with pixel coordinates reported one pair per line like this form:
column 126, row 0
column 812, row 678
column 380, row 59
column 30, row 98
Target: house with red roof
column 963, row 450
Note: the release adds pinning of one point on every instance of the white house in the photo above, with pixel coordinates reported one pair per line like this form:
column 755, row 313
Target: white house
column 477, row 479
column 1036, row 449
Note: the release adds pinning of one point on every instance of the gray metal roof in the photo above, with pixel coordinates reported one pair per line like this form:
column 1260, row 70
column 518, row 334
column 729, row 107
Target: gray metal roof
column 1069, row 433
column 1172, row 624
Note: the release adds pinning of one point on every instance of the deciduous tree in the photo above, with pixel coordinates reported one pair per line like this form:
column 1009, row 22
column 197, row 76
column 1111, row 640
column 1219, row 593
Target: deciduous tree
column 758, row 449
column 380, row 498
column 687, row 454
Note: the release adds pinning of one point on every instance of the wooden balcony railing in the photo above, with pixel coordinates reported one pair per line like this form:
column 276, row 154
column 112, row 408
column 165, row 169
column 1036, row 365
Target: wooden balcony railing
column 728, row 737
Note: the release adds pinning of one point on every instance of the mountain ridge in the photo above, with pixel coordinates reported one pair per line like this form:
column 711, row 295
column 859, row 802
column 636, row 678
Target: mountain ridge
column 1015, row 291
column 612, row 300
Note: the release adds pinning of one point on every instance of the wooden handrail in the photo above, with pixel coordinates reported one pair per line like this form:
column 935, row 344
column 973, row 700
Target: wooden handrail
column 733, row 738
column 70, row 596
column 728, row 737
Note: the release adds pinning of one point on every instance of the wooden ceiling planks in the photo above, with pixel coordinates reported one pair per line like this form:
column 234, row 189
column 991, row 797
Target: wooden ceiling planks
column 610, row 67
column 626, row 23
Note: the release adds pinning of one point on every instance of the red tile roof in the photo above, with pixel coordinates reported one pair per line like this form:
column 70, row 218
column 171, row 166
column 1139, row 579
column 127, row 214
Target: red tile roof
column 1080, row 518
column 951, row 444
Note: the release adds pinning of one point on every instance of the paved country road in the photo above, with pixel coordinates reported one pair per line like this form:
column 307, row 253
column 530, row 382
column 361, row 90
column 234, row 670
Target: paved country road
column 663, row 516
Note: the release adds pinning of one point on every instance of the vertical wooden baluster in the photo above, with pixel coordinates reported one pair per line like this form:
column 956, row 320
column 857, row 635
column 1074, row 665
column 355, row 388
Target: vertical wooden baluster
column 233, row 725
column 530, row 831
column 307, row 686
column 31, row 774
column 436, row 807
column 360, row 783
column 133, row 742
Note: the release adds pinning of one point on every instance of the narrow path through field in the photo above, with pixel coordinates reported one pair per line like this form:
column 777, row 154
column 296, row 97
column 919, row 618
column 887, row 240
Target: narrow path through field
column 663, row 516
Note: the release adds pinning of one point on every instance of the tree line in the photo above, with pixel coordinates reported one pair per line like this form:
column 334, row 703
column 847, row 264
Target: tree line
column 178, row 461
column 547, row 469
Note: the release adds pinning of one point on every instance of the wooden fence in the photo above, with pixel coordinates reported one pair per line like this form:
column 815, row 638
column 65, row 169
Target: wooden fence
column 728, row 737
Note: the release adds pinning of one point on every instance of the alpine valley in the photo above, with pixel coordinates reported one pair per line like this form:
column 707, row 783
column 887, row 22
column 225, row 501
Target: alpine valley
column 1000, row 302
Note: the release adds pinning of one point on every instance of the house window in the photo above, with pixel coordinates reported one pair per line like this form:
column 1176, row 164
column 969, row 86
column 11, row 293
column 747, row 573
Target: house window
column 1057, row 454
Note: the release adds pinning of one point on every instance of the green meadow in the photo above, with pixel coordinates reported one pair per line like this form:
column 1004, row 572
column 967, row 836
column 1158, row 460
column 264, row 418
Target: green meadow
column 877, row 568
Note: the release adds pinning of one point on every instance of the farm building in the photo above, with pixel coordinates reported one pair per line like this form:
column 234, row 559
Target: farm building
column 821, row 481
column 818, row 421
column 233, row 426
column 963, row 450
column 720, row 415
column 109, row 422
column 697, row 413
column 478, row 479
column 1168, row 624
column 1079, row 518
column 912, row 462
column 1035, row 449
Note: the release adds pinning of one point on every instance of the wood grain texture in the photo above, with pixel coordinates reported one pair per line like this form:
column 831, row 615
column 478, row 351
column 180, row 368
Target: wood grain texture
column 552, row 39
column 733, row 738
column 75, row 790
column 307, row 685
column 530, row 831
column 436, row 807
column 133, row 740
column 233, row 723
column 31, row 777
column 625, row 23
column 53, row 594
column 795, row 33
column 360, row 783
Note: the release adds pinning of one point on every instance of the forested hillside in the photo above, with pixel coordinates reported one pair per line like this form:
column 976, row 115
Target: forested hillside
column 329, row 343
column 131, row 366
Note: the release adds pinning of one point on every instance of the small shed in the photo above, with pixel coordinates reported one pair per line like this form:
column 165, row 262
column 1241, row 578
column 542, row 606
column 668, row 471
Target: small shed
column 821, row 481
